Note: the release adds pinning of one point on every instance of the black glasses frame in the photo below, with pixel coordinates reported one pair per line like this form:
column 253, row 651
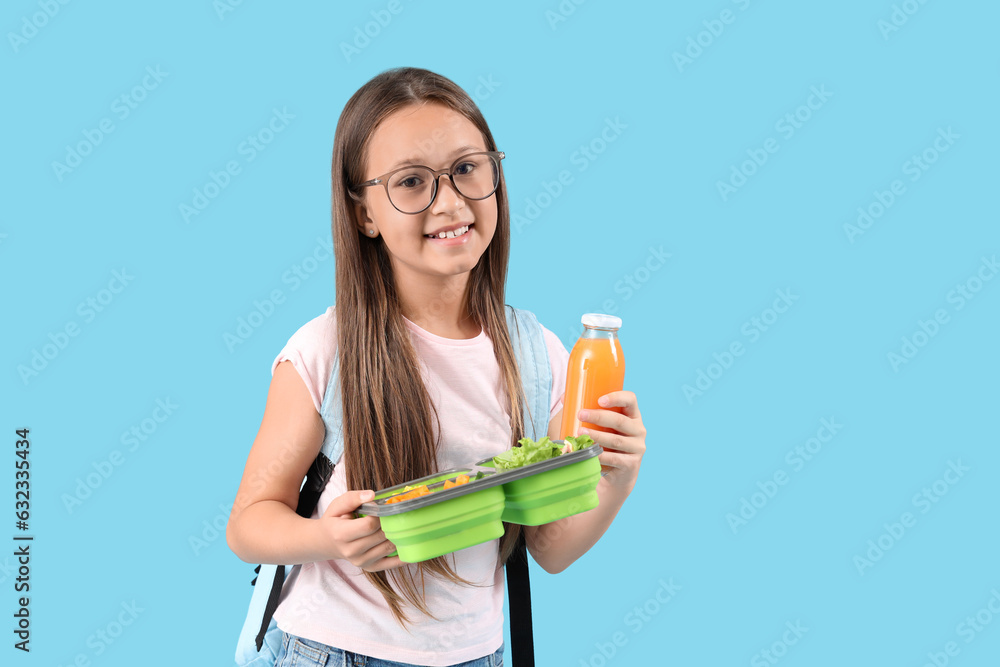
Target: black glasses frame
column 383, row 180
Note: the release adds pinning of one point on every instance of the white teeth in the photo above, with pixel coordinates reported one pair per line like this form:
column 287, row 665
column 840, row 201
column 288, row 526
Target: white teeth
column 451, row 234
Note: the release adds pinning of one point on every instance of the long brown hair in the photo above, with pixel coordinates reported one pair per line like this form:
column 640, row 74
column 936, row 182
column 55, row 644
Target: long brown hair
column 388, row 434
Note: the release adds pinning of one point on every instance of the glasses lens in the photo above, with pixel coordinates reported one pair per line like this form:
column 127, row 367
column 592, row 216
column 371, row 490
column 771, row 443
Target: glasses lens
column 476, row 176
column 410, row 189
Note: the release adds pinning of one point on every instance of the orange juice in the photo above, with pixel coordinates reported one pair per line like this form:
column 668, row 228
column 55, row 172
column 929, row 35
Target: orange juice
column 596, row 368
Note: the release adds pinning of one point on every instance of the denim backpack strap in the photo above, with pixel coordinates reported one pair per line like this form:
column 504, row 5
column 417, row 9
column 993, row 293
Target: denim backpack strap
column 247, row 652
column 261, row 637
column 532, row 357
column 332, row 413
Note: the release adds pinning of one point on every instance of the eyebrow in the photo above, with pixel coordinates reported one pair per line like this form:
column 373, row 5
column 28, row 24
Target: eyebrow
column 411, row 161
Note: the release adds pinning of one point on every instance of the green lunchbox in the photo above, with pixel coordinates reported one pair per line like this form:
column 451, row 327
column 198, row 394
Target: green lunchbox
column 446, row 520
column 548, row 492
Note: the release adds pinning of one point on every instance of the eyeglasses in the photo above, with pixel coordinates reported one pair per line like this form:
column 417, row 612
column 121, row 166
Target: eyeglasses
column 412, row 189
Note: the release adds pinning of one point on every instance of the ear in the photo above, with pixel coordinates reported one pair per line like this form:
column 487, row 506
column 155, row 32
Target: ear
column 361, row 216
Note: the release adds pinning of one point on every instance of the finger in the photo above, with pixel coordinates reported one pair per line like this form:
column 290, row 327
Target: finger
column 348, row 502
column 615, row 441
column 621, row 399
column 376, row 554
column 371, row 543
column 352, row 529
column 616, row 460
column 609, row 419
column 388, row 563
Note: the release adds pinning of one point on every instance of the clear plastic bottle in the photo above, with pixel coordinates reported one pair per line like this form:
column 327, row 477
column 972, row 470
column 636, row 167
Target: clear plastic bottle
column 596, row 368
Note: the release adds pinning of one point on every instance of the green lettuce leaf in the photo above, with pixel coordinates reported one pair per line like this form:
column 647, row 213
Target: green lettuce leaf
column 530, row 451
column 579, row 441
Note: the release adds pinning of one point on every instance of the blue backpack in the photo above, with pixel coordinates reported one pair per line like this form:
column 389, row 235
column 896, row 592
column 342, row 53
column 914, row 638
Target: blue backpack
column 261, row 638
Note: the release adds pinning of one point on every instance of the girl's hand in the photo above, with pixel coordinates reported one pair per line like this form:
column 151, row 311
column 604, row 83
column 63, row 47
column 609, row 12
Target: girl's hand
column 360, row 541
column 628, row 438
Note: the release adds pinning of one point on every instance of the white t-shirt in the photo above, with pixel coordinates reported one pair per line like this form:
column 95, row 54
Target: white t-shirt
column 331, row 601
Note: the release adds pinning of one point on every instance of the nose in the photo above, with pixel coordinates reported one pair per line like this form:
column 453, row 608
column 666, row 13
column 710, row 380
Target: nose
column 447, row 199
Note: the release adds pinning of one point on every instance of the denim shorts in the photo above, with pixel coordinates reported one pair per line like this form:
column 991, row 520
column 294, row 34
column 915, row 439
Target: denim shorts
column 300, row 652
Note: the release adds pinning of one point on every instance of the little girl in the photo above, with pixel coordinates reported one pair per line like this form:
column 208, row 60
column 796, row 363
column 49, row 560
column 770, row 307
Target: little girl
column 427, row 381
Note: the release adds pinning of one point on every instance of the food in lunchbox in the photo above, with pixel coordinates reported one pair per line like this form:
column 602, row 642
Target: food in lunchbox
column 411, row 492
column 461, row 479
column 529, row 451
column 421, row 490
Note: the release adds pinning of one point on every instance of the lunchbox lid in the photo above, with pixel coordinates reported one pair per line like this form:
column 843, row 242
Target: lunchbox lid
column 482, row 476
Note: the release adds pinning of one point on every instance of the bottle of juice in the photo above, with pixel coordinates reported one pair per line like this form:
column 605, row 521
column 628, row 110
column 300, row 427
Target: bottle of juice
column 596, row 368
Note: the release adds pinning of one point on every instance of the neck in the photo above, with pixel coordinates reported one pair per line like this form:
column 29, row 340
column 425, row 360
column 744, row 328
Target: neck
column 437, row 304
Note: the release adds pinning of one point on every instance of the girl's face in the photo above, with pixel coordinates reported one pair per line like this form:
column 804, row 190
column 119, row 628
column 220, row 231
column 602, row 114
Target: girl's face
column 431, row 135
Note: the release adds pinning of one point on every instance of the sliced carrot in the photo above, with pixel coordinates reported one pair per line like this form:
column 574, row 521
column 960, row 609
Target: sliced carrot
column 461, row 479
column 409, row 495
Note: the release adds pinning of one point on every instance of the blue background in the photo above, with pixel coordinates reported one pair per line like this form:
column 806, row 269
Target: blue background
column 548, row 87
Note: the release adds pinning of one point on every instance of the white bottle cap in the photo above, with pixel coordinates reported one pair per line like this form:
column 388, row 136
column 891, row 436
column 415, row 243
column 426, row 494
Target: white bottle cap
column 599, row 321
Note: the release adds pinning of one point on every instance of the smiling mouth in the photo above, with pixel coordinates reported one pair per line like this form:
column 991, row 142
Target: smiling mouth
column 461, row 231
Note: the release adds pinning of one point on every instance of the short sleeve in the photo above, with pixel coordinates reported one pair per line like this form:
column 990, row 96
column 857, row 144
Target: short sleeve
column 559, row 360
column 311, row 350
